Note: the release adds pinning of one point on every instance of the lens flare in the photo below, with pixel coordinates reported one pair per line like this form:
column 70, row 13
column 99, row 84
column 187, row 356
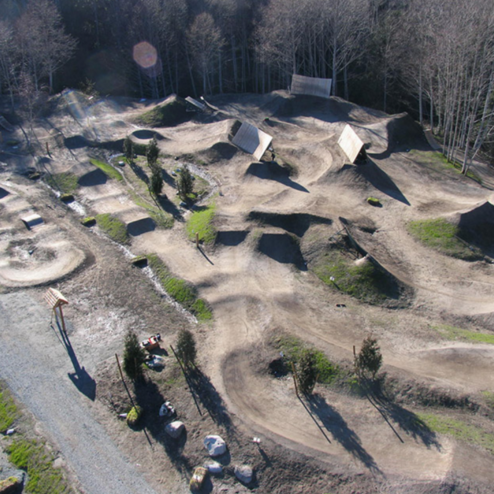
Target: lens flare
column 145, row 55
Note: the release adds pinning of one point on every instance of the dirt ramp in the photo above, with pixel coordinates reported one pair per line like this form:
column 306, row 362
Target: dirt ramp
column 170, row 113
column 282, row 248
column 219, row 151
column 93, row 178
column 3, row 193
column 231, row 238
column 140, row 226
column 477, row 226
column 146, row 135
column 296, row 223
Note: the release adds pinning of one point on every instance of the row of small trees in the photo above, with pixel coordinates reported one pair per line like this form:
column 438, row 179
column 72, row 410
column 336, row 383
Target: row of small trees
column 185, row 184
column 367, row 364
column 135, row 356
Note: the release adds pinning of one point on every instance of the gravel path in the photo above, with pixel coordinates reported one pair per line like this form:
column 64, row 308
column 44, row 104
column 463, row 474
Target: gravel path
column 35, row 364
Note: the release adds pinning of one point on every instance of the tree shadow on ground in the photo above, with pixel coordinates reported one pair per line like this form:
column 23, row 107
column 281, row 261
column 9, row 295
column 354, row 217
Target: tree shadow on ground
column 80, row 377
column 139, row 171
column 168, row 179
column 148, row 396
column 275, row 172
column 406, row 420
column 169, row 207
column 336, row 425
column 210, row 399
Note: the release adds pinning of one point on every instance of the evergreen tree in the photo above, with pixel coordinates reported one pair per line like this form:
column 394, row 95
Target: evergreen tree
column 186, row 347
column 370, row 358
column 152, row 152
column 307, row 371
column 185, row 184
column 134, row 356
column 156, row 184
column 128, row 148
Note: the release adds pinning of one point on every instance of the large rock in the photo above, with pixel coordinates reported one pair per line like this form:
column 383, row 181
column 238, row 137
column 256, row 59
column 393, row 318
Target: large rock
column 215, row 445
column 244, row 473
column 214, row 467
column 174, row 429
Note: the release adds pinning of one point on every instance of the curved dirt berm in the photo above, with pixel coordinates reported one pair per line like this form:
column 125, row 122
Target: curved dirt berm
column 282, row 248
column 405, row 133
column 297, row 223
column 37, row 261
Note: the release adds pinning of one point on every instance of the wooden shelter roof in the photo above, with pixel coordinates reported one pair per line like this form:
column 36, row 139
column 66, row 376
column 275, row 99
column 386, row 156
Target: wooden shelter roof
column 54, row 298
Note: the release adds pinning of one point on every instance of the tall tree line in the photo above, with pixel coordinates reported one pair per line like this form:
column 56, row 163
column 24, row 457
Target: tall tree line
column 434, row 58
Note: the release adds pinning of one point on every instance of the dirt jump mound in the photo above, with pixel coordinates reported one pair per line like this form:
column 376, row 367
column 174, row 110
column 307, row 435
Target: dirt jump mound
column 168, row 114
column 282, row 248
column 146, row 135
column 231, row 238
column 93, row 178
column 219, row 151
column 296, row 223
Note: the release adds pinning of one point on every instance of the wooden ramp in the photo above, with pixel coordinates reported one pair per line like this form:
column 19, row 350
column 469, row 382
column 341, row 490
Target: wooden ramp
column 252, row 140
column 311, row 86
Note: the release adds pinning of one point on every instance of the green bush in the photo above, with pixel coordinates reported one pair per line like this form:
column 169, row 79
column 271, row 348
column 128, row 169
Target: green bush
column 306, row 371
column 113, row 227
column 134, row 356
column 374, row 201
column 88, row 221
column 134, row 416
column 369, row 359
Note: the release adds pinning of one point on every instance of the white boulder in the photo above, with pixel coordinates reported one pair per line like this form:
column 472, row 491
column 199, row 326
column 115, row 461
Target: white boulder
column 174, row 429
column 215, row 445
column 244, row 473
column 214, row 467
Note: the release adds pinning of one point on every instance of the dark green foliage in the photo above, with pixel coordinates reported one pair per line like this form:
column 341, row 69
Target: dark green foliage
column 186, row 347
column 370, row 359
column 128, row 148
column 156, row 184
column 185, row 185
column 134, row 356
column 307, row 371
column 134, row 416
column 152, row 152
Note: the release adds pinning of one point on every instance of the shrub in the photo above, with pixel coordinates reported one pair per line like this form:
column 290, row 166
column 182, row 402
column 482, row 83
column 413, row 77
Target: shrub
column 128, row 148
column 374, row 201
column 307, row 371
column 186, row 347
column 369, row 358
column 134, row 415
column 185, row 185
column 152, row 152
column 156, row 184
column 134, row 356
column 88, row 221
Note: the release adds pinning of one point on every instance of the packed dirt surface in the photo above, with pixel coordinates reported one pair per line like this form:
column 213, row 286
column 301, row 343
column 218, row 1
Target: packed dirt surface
column 257, row 278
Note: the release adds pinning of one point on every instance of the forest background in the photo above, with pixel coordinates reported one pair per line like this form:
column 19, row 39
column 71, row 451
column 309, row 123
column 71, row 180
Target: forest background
column 432, row 58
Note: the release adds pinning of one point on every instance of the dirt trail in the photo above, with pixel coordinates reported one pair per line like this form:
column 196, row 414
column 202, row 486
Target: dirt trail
column 255, row 287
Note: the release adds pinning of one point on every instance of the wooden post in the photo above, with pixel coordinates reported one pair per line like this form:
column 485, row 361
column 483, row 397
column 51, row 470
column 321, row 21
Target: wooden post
column 295, row 378
column 123, row 380
column 62, row 318
column 47, row 148
column 197, row 240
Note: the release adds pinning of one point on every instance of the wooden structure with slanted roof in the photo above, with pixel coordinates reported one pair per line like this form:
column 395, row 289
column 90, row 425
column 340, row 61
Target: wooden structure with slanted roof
column 56, row 300
column 311, row 86
column 352, row 145
column 252, row 140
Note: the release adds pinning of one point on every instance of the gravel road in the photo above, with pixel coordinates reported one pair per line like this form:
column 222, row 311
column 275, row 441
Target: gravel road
column 44, row 373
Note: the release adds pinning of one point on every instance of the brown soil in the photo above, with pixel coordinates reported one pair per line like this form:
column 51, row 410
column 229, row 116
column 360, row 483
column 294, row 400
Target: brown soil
column 257, row 283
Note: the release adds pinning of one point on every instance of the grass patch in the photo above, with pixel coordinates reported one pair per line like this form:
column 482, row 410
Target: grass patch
column 442, row 236
column 33, row 457
column 8, row 410
column 458, row 429
column 107, row 169
column 201, row 222
column 489, row 398
column 292, row 348
column 440, row 161
column 113, row 227
column 88, row 221
column 179, row 290
column 65, row 183
column 365, row 281
column 162, row 219
column 454, row 333
column 166, row 115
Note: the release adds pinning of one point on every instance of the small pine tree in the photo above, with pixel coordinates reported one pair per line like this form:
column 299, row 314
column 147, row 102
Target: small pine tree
column 134, row 356
column 185, row 185
column 156, row 184
column 369, row 358
column 307, row 371
column 186, row 347
column 152, row 152
column 128, row 148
